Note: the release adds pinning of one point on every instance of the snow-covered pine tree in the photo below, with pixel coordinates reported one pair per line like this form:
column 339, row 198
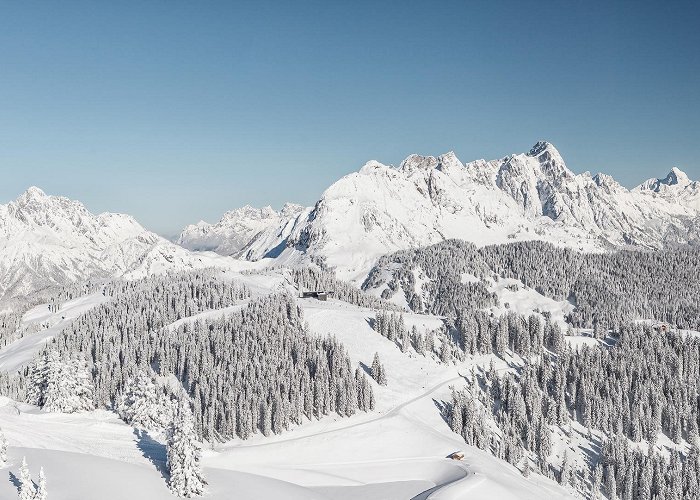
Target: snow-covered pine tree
column 3, row 448
column 183, row 454
column 378, row 373
column 68, row 387
column 596, row 481
column 36, row 387
column 60, row 385
column 41, row 489
column 405, row 343
column 144, row 404
column 429, row 342
column 27, row 491
column 565, row 473
column 610, row 483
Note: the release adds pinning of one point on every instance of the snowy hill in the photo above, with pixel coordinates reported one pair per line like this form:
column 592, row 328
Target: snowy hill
column 50, row 240
column 381, row 209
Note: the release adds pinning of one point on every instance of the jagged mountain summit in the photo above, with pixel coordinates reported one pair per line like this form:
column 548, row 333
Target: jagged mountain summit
column 530, row 196
column 676, row 187
column 50, row 241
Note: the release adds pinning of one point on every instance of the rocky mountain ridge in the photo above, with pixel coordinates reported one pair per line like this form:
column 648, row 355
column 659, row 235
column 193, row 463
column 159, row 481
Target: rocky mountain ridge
column 532, row 196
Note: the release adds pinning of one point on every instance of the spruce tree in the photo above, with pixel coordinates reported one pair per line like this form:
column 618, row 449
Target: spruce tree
column 144, row 404
column 378, row 373
column 27, row 491
column 183, row 455
column 3, row 449
column 596, row 481
column 41, row 490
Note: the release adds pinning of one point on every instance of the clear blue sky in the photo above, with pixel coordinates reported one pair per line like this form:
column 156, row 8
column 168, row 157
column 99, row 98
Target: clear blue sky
column 177, row 111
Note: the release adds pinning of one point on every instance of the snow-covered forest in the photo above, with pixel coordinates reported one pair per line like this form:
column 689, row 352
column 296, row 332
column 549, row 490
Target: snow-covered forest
column 627, row 391
column 630, row 389
column 585, row 395
column 253, row 369
column 607, row 288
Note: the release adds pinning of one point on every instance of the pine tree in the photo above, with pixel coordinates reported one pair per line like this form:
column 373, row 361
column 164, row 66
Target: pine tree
column 41, row 490
column 183, row 455
column 610, row 483
column 144, row 405
column 599, row 330
column 457, row 414
column 378, row 373
column 405, row 344
column 565, row 472
column 27, row 491
column 596, row 480
column 61, row 386
column 3, row 449
column 418, row 341
column 429, row 342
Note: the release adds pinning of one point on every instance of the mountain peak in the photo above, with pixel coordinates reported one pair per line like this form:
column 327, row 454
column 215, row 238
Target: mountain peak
column 542, row 146
column 676, row 176
column 417, row 162
column 606, row 181
column 449, row 161
column 551, row 162
column 32, row 193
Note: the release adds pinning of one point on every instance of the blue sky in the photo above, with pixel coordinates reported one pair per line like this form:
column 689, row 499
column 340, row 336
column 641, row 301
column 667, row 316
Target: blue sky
column 178, row 111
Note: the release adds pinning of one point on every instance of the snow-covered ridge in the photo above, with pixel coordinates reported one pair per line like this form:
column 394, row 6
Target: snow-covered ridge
column 48, row 240
column 675, row 188
column 246, row 232
column 426, row 199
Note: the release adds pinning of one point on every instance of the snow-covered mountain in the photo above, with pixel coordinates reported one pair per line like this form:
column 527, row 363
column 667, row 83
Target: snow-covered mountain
column 51, row 240
column 247, row 232
column 427, row 199
column 676, row 187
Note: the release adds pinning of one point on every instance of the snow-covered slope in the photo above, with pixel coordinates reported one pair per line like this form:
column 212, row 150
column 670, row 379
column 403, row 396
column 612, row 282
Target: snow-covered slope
column 51, row 240
column 380, row 209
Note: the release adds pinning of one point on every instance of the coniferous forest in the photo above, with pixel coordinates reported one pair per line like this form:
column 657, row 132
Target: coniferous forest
column 194, row 356
column 636, row 384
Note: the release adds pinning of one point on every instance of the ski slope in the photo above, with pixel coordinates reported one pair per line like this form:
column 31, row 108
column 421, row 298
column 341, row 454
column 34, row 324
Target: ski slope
column 20, row 352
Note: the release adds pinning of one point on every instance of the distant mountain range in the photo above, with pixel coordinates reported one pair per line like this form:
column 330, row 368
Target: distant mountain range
column 50, row 240
column 381, row 209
